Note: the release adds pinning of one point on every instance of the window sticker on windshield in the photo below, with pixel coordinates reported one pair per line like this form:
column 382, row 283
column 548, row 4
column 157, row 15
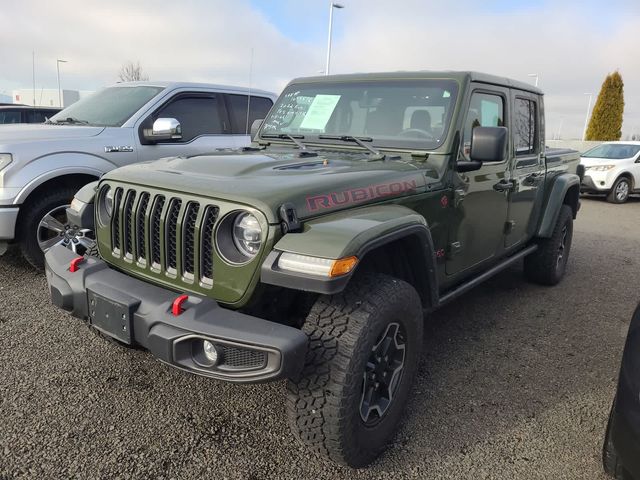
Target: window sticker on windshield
column 320, row 112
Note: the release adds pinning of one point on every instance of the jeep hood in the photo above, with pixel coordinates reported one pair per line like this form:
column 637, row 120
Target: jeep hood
column 22, row 133
column 313, row 185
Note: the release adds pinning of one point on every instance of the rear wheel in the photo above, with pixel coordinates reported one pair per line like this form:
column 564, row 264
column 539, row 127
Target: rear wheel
column 620, row 191
column 548, row 264
column 364, row 347
column 44, row 224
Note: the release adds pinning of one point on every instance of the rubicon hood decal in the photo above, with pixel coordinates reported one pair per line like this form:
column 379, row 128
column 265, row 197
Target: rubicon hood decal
column 354, row 196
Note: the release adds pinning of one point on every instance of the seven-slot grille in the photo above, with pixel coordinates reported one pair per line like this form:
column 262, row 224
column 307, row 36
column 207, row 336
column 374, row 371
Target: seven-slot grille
column 164, row 233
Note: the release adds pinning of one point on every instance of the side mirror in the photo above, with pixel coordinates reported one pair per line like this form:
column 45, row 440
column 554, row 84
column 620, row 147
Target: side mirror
column 164, row 129
column 255, row 126
column 489, row 144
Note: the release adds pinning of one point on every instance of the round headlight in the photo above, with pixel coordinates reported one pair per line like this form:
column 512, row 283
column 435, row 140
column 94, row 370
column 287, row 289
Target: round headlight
column 247, row 234
column 108, row 201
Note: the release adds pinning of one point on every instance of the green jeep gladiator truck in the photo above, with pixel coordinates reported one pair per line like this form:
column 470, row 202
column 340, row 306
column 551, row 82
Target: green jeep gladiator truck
column 365, row 202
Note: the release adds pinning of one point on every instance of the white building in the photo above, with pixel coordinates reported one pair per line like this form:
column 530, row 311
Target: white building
column 45, row 97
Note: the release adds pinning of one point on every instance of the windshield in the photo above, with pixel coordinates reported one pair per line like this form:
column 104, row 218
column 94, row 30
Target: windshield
column 110, row 107
column 613, row 151
column 392, row 113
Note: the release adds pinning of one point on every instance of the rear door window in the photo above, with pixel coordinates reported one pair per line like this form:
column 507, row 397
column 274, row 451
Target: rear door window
column 525, row 129
column 38, row 116
column 237, row 107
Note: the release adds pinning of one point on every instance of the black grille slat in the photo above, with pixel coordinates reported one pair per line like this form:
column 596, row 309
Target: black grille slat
column 156, row 215
column 189, row 238
column 127, row 222
column 115, row 221
column 206, row 250
column 141, row 227
column 171, row 241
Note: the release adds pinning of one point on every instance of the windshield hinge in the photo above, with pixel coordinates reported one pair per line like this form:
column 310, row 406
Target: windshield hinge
column 289, row 221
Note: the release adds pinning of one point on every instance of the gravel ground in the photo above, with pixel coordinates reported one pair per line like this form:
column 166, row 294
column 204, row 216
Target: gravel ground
column 516, row 382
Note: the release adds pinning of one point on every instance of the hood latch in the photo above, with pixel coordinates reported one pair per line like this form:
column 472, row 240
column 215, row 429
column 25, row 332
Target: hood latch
column 289, row 221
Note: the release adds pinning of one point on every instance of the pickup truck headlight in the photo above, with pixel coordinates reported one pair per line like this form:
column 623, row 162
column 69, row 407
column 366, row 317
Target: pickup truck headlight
column 247, row 234
column 105, row 204
column 5, row 160
column 601, row 168
column 239, row 237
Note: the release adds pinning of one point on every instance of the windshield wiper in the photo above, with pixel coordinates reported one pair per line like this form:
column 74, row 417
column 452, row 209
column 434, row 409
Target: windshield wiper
column 304, row 150
column 359, row 140
column 69, row 121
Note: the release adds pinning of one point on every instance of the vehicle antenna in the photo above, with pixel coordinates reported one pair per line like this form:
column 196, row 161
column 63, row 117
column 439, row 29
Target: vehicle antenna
column 246, row 128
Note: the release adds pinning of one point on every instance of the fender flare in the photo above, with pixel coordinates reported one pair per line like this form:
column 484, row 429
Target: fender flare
column 43, row 169
column 555, row 199
column 354, row 232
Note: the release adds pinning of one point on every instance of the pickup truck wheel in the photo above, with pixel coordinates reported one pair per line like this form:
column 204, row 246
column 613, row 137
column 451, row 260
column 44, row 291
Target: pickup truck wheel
column 620, row 191
column 610, row 459
column 364, row 347
column 44, row 224
column 548, row 264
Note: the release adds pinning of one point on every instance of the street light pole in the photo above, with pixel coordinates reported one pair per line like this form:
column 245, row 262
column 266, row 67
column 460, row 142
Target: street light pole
column 534, row 75
column 58, row 62
column 332, row 5
column 586, row 120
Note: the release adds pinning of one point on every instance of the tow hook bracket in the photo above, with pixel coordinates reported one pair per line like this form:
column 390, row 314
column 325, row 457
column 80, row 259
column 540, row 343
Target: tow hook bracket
column 74, row 264
column 176, row 306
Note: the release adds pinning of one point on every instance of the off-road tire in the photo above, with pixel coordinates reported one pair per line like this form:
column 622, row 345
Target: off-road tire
column 31, row 214
column 324, row 403
column 612, row 196
column 610, row 459
column 543, row 265
column 92, row 251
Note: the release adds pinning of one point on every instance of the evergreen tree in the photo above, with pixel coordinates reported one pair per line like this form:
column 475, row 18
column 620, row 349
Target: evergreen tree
column 606, row 119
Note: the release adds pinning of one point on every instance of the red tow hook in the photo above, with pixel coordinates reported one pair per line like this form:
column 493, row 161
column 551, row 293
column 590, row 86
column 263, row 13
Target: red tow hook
column 73, row 265
column 176, row 307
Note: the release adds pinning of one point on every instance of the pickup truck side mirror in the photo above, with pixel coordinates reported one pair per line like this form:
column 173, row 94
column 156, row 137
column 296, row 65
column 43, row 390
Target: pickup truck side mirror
column 489, row 144
column 255, row 126
column 164, row 129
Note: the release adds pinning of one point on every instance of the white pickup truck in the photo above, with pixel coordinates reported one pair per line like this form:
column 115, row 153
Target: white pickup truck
column 42, row 166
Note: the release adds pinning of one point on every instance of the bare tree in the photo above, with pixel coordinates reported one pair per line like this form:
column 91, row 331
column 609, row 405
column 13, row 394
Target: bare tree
column 131, row 72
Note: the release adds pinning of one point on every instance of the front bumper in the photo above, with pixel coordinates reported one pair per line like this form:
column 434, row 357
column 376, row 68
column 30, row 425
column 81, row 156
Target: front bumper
column 595, row 181
column 251, row 349
column 8, row 220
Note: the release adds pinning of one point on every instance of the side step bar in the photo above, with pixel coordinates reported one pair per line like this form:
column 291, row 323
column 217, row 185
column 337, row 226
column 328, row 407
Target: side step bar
column 475, row 281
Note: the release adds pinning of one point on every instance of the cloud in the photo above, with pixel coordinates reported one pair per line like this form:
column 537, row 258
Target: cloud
column 571, row 45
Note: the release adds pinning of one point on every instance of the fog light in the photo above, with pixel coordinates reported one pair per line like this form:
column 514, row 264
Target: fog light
column 211, row 352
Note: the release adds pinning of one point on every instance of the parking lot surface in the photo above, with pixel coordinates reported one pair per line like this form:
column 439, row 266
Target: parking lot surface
column 516, row 382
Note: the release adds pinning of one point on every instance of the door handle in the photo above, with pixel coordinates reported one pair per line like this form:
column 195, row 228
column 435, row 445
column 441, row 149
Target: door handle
column 504, row 185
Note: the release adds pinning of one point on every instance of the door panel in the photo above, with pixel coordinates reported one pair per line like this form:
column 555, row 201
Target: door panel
column 476, row 231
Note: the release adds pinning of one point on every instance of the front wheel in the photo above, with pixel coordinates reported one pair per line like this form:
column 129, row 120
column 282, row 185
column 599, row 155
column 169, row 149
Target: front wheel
column 364, row 347
column 610, row 458
column 620, row 191
column 44, row 224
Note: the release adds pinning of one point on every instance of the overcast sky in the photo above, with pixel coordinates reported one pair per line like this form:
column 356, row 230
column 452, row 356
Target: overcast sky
column 572, row 45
